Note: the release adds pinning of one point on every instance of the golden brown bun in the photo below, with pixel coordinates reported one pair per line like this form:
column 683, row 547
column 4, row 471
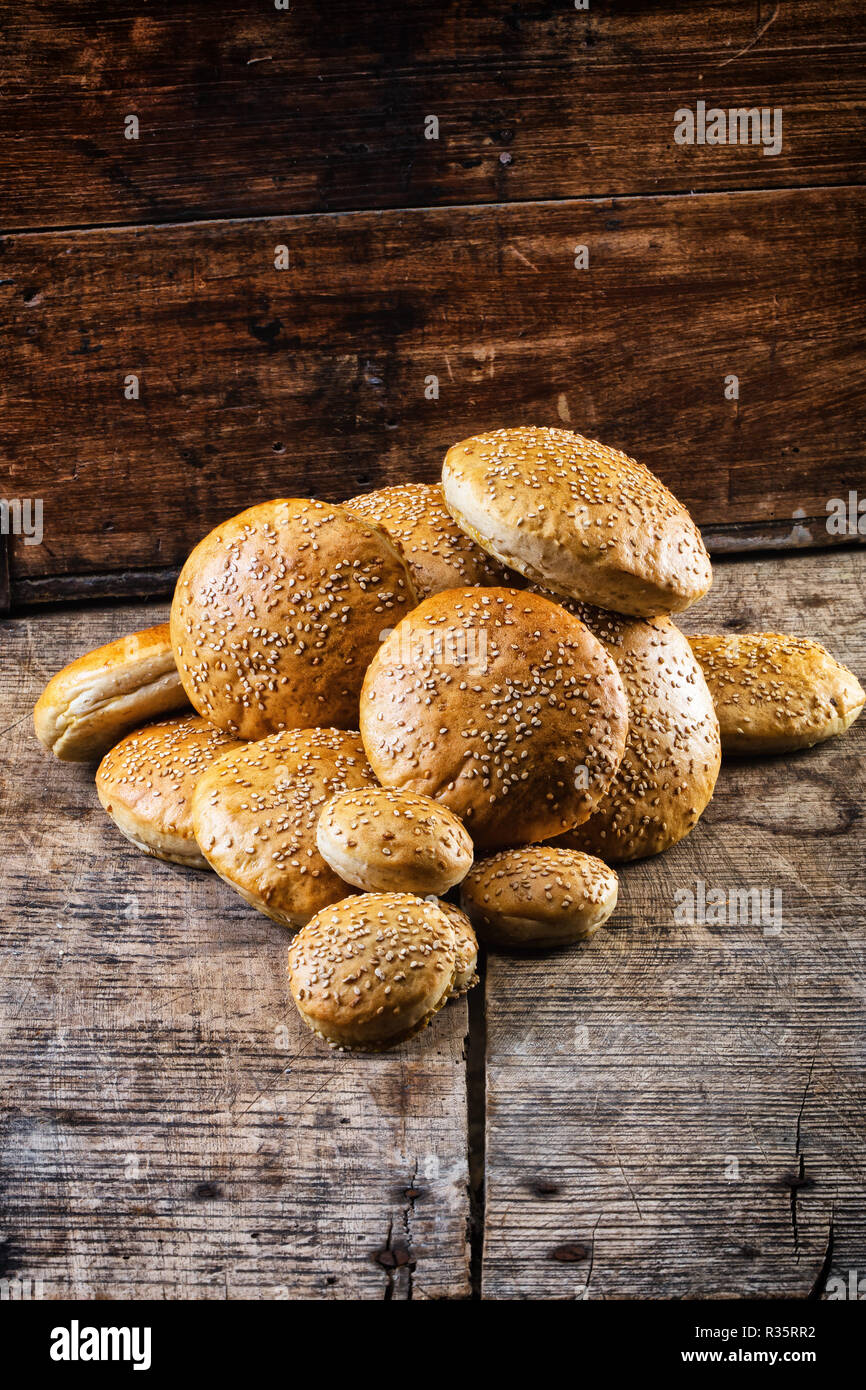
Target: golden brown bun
column 539, row 896
column 774, row 693
column 93, row 702
column 277, row 613
column 255, row 812
column 465, row 949
column 146, row 784
column 439, row 555
column 386, row 841
column 502, row 706
column 672, row 752
column 372, row 970
column 575, row 516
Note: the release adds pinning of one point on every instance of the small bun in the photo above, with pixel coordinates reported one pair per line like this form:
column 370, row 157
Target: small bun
column 578, row 517
column 93, row 702
column 539, row 896
column 255, row 812
column 774, row 693
column 393, row 841
column 439, row 555
column 371, row 971
column 146, row 784
column 672, row 753
column 465, row 949
column 277, row 613
column 501, row 706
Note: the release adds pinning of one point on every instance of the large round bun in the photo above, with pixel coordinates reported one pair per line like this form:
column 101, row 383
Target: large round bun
column 277, row 613
column 384, row 841
column 672, row 753
column 94, row 701
column 774, row 693
column 255, row 813
column 538, row 896
column 371, row 971
column 502, row 706
column 439, row 555
column 146, row 782
column 575, row 516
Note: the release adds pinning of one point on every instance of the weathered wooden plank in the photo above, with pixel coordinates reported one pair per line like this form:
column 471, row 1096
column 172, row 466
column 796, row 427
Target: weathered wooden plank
column 5, row 587
column 153, row 1142
column 169, row 1127
column 255, row 382
column 244, row 109
column 734, row 538
column 677, row 1110
column 150, row 584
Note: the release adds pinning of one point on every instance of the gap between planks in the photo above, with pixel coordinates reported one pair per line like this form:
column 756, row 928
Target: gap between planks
column 74, row 228
column 40, row 593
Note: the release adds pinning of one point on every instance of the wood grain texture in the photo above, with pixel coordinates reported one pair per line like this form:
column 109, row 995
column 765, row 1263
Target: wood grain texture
column 170, row 1128
column 676, row 1110
column 246, row 110
column 256, row 382
column 5, row 586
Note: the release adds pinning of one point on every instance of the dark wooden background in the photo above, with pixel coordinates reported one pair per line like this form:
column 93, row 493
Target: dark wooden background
column 169, row 1128
column 411, row 257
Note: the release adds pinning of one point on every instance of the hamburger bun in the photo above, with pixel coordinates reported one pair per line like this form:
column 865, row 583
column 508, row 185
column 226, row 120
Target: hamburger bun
column 386, row 841
column 146, row 782
column 255, row 812
column 465, row 949
column 672, row 753
column 93, row 702
column 439, row 555
column 371, row 971
column 277, row 613
column 500, row 705
column 774, row 693
column 577, row 517
column 538, row 897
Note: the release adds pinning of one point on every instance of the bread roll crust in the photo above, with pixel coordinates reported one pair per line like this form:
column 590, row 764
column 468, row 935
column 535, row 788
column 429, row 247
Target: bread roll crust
column 502, row 706
column 465, row 949
column 371, row 971
column 539, row 896
column 89, row 705
column 255, row 813
column 439, row 555
column 578, row 517
column 384, row 840
column 775, row 693
column 277, row 612
column 145, row 784
column 672, row 752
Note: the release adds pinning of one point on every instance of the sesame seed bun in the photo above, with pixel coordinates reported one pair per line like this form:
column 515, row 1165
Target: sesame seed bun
column 371, row 971
column 439, row 555
column 465, row 949
column 575, row 516
column 93, row 702
column 502, row 706
column 255, row 812
column 277, row 613
column 538, row 896
column 146, row 784
column 774, row 693
column 672, row 753
column 387, row 841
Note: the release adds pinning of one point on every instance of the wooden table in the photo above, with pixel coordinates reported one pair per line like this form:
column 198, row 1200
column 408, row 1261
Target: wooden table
column 673, row 1110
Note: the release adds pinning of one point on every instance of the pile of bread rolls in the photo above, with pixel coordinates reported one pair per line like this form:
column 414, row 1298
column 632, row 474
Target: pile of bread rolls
column 473, row 689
